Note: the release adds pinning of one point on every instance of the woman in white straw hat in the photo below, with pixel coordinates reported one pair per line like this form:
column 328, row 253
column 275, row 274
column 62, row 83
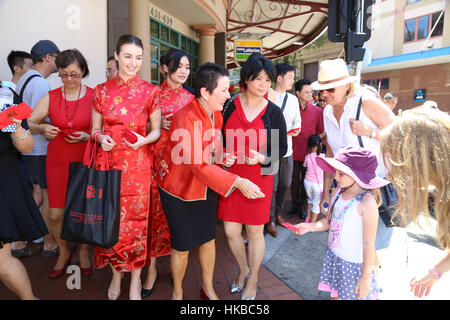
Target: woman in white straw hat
column 343, row 94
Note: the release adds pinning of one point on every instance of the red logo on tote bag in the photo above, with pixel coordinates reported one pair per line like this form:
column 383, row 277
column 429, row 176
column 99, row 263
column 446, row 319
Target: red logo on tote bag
column 90, row 192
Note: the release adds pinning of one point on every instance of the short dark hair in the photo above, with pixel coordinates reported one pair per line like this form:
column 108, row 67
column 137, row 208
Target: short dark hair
column 172, row 59
column 253, row 67
column 17, row 58
column 207, row 76
column 67, row 57
column 300, row 83
column 283, row 68
column 128, row 39
column 113, row 58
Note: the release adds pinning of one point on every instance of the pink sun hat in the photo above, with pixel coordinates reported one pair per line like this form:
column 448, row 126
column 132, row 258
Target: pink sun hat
column 359, row 163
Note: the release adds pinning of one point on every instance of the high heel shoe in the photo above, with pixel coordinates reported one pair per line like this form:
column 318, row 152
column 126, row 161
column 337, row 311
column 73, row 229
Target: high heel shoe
column 56, row 273
column 203, row 294
column 235, row 288
column 146, row 292
column 247, row 298
column 86, row 271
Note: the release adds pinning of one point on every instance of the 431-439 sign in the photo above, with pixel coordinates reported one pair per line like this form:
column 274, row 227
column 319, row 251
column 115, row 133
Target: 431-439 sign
column 161, row 16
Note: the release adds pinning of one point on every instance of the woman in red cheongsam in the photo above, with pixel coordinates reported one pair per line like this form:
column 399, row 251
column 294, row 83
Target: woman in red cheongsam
column 176, row 68
column 121, row 104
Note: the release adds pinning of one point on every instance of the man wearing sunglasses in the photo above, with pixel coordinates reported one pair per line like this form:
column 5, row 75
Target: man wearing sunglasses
column 31, row 87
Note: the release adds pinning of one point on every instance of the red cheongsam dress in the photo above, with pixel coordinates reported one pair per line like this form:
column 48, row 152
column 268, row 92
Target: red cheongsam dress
column 171, row 100
column 238, row 208
column 128, row 105
column 69, row 117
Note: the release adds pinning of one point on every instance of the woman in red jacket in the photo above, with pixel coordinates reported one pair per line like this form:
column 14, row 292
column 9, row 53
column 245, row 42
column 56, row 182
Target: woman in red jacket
column 190, row 178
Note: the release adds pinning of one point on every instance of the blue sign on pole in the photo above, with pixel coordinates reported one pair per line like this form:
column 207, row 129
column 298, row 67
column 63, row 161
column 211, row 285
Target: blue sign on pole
column 420, row 94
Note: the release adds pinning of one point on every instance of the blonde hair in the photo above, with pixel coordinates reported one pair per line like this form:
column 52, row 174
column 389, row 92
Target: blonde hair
column 353, row 88
column 416, row 148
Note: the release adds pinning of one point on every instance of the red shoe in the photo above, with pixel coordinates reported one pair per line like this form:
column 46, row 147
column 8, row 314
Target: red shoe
column 86, row 271
column 203, row 294
column 57, row 273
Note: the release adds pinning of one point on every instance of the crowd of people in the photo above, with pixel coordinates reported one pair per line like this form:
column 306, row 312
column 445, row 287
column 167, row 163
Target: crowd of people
column 200, row 154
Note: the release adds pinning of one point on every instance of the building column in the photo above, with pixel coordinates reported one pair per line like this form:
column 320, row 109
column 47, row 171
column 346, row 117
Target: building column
column 139, row 21
column 207, row 33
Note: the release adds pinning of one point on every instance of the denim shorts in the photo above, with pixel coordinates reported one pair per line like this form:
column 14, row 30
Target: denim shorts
column 383, row 236
column 36, row 170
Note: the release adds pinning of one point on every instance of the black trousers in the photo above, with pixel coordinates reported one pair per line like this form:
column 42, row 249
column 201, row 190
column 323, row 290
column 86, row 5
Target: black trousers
column 298, row 192
column 281, row 183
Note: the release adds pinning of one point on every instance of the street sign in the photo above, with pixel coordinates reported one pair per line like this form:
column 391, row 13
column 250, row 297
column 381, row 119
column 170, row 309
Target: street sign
column 244, row 48
column 420, row 94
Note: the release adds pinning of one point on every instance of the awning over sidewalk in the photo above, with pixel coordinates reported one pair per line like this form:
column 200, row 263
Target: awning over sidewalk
column 284, row 26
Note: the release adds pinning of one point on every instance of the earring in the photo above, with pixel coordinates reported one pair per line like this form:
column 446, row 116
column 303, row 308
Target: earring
column 206, row 99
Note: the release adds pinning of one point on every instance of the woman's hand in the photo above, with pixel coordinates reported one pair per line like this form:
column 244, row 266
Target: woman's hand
column 254, row 158
column 359, row 128
column 141, row 141
column 77, row 137
column 423, row 285
column 362, row 288
column 165, row 122
column 229, row 160
column 294, row 133
column 50, row 131
column 106, row 142
column 249, row 189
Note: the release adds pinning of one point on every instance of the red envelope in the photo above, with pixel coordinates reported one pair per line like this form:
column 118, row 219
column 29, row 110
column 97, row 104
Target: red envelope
column 293, row 130
column 130, row 136
column 290, row 227
column 19, row 112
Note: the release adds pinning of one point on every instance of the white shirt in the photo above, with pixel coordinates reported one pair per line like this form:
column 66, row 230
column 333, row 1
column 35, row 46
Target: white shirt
column 291, row 114
column 341, row 135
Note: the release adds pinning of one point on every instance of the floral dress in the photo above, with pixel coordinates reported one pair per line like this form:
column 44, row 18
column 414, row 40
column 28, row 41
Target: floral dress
column 171, row 100
column 128, row 105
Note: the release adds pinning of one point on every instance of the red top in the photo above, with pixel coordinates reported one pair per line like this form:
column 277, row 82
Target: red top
column 312, row 123
column 59, row 152
column 238, row 208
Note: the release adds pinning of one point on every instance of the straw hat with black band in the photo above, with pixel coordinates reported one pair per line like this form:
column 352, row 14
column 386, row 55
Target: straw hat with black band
column 332, row 74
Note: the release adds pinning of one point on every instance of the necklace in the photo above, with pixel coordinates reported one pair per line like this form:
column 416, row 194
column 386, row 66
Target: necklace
column 70, row 117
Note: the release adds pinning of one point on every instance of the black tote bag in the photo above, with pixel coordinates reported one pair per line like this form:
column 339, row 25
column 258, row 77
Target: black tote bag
column 92, row 209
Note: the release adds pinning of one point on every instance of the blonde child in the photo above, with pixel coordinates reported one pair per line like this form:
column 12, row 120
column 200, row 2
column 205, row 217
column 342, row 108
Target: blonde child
column 313, row 177
column 347, row 271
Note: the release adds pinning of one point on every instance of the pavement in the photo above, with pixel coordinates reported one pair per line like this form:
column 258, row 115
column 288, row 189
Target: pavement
column 297, row 261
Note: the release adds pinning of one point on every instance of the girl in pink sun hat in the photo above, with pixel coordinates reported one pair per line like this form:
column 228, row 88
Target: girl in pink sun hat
column 348, row 267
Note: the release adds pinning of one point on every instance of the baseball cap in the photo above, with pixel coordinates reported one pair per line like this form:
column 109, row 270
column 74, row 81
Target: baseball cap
column 43, row 47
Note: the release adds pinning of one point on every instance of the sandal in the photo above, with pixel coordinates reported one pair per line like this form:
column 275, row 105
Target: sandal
column 20, row 253
column 49, row 253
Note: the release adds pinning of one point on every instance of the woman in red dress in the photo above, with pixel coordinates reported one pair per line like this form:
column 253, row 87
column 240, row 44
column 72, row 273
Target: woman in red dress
column 175, row 65
column 122, row 104
column 69, row 110
column 250, row 125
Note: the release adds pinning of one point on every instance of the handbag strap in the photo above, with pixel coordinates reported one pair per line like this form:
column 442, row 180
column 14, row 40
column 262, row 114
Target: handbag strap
column 358, row 111
column 284, row 102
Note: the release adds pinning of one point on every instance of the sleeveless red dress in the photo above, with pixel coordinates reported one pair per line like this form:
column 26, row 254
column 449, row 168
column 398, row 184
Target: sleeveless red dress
column 171, row 100
column 60, row 152
column 128, row 105
column 238, row 208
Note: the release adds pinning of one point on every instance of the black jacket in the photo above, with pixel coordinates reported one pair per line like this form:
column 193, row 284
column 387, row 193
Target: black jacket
column 273, row 119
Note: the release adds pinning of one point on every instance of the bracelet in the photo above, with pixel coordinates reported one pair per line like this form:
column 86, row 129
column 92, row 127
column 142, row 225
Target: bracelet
column 23, row 138
column 436, row 273
column 373, row 134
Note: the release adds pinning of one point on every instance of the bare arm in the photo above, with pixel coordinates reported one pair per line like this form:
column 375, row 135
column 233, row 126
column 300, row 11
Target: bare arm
column 40, row 112
column 369, row 211
column 106, row 141
column 21, row 138
column 378, row 113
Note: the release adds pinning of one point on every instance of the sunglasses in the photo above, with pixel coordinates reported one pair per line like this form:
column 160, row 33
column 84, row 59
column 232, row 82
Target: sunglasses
column 321, row 100
column 331, row 90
